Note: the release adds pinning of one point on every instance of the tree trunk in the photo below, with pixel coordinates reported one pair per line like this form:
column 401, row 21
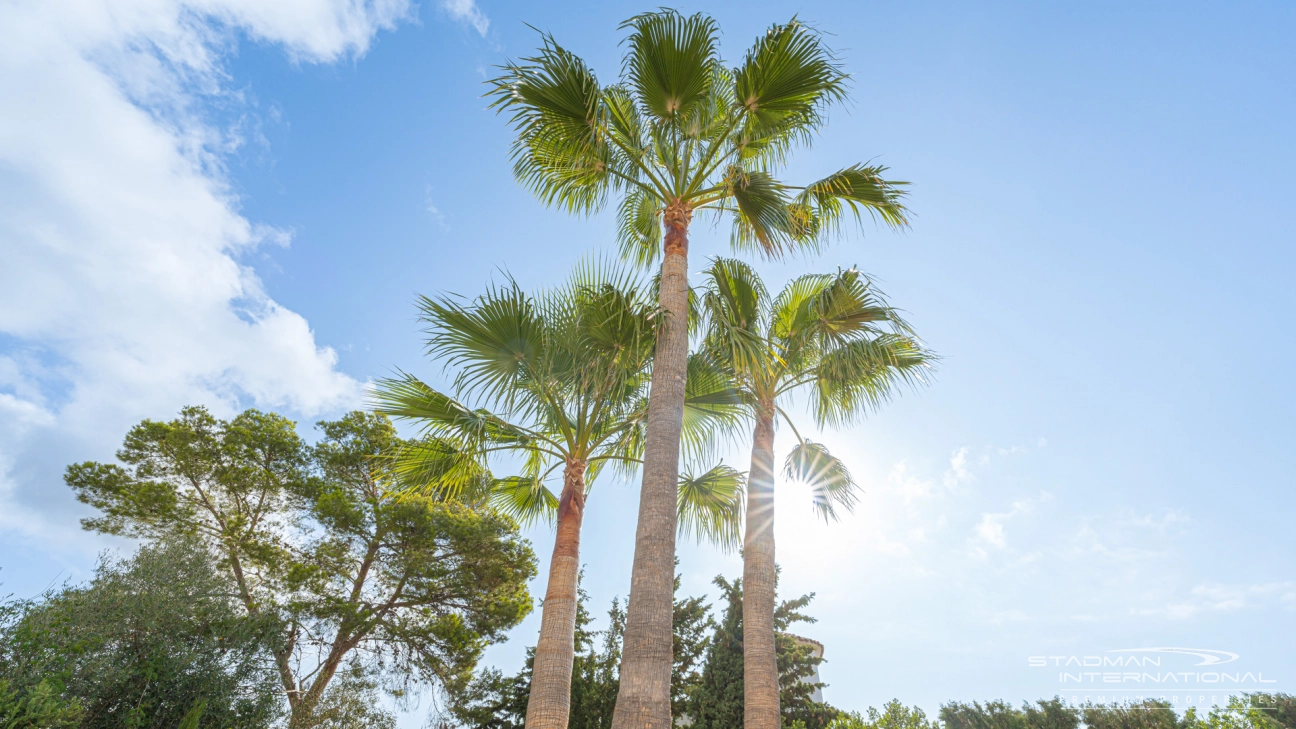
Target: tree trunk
column 643, row 700
column 550, row 701
column 760, row 663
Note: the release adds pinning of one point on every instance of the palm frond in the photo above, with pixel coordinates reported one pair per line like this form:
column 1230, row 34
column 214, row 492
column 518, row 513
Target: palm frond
column 711, row 506
column 409, row 398
column 856, row 377
column 763, row 216
column 784, row 83
column 822, row 205
column 441, row 469
column 526, row 499
column 492, row 341
column 714, row 408
column 555, row 106
column 791, row 311
column 669, row 60
column 829, row 479
column 734, row 304
column 639, row 228
column 852, row 305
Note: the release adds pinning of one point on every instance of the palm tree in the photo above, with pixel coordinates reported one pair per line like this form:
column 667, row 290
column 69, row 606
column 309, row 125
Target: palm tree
column 835, row 337
column 561, row 380
column 681, row 133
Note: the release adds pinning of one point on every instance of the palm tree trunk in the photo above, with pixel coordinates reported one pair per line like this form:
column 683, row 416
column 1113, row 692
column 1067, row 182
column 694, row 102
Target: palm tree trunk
column 643, row 700
column 550, row 702
column 760, row 663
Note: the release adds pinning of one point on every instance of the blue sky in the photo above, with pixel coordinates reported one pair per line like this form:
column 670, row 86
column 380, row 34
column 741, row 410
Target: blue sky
column 235, row 203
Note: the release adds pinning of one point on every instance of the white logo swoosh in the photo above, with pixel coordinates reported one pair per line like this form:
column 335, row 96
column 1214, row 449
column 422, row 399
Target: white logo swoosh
column 1208, row 657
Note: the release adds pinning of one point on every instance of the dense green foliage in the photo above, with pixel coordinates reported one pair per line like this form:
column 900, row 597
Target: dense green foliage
column 355, row 579
column 142, row 645
column 717, row 701
column 706, row 681
column 496, row 701
column 1249, row 711
column 894, row 715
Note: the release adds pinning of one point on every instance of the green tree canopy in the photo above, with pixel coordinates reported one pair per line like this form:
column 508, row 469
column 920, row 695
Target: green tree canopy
column 142, row 645
column 356, row 575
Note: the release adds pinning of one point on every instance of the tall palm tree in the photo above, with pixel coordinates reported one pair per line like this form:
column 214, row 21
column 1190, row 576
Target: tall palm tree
column 837, row 339
column 681, row 133
column 561, row 381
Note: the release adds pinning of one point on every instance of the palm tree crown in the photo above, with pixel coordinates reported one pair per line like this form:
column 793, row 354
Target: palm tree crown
column 560, row 380
column 835, row 337
column 681, row 132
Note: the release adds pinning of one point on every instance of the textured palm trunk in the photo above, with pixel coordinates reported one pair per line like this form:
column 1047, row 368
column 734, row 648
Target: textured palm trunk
column 643, row 700
column 760, row 663
column 550, row 702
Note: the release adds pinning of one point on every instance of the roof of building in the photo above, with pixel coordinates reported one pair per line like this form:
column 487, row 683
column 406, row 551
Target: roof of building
column 810, row 641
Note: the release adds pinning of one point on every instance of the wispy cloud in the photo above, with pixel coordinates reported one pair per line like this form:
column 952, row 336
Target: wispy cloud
column 989, row 531
column 435, row 211
column 466, row 11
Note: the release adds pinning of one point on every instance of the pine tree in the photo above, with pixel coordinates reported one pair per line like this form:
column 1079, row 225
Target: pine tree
column 496, row 701
column 692, row 624
column 717, row 701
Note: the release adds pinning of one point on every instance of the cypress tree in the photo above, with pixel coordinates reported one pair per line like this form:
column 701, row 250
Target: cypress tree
column 717, row 701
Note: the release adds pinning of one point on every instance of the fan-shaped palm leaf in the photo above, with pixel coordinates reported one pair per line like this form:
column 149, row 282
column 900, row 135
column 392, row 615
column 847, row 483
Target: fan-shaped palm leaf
column 711, row 506
column 828, row 478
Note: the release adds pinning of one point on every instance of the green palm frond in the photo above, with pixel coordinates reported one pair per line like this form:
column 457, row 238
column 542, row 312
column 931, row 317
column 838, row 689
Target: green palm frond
column 711, row 506
column 762, row 212
column 493, row 341
column 639, row 231
column 625, row 446
column 852, row 305
column 555, row 106
column 526, row 499
column 857, row 377
column 829, row 479
column 714, row 408
column 669, row 61
column 786, row 80
column 734, row 304
column 626, row 128
column 791, row 311
column 406, row 397
column 613, row 315
column 441, row 469
column 822, row 205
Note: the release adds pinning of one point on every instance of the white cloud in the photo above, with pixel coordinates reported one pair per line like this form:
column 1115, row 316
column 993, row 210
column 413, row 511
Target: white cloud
column 958, row 472
column 122, row 293
column 466, row 11
column 989, row 531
